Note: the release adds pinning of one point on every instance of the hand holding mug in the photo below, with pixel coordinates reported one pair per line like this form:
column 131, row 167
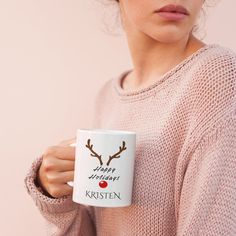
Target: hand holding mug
column 57, row 168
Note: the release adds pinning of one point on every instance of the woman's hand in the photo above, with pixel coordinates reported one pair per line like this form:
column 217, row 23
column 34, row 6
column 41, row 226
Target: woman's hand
column 57, row 169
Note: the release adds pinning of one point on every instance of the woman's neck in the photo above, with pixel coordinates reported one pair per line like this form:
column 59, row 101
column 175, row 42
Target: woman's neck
column 152, row 59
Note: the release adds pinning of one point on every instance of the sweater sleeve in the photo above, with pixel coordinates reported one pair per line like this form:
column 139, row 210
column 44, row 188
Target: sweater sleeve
column 62, row 215
column 208, row 196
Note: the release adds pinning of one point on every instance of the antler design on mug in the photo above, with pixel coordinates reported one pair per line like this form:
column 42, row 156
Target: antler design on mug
column 94, row 154
column 116, row 154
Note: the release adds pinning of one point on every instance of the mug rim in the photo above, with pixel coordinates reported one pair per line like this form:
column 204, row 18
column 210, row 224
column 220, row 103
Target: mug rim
column 106, row 131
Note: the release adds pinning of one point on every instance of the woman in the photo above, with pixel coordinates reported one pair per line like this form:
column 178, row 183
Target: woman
column 180, row 99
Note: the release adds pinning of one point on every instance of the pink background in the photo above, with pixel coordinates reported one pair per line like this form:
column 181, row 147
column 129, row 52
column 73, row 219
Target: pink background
column 54, row 56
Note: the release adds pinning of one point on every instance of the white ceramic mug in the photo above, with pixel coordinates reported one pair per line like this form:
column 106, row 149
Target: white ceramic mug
column 104, row 167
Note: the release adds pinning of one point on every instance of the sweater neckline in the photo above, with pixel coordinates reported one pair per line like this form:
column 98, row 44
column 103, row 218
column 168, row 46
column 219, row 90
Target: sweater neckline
column 134, row 93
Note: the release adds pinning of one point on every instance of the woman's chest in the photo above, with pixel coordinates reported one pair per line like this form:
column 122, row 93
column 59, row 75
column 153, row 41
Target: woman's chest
column 160, row 133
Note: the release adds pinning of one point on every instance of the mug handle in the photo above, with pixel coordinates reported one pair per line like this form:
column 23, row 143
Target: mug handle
column 71, row 183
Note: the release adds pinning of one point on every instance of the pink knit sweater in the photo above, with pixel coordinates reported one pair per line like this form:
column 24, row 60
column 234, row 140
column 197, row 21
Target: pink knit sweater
column 185, row 167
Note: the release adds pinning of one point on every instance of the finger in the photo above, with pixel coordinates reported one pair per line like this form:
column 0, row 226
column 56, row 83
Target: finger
column 54, row 164
column 55, row 178
column 65, row 165
column 66, row 189
column 62, row 152
column 67, row 142
column 67, row 176
column 61, row 190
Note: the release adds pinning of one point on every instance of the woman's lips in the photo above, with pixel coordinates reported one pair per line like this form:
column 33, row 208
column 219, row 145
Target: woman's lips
column 172, row 15
column 172, row 12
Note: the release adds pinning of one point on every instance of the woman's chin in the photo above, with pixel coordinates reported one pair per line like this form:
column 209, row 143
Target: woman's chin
column 168, row 37
column 168, row 34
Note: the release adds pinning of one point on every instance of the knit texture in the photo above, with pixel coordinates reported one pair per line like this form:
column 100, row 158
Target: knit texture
column 185, row 166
